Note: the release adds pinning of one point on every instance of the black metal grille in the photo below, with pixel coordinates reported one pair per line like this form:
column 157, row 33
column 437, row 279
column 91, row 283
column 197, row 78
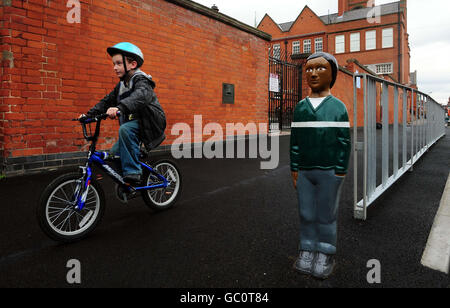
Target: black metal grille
column 283, row 101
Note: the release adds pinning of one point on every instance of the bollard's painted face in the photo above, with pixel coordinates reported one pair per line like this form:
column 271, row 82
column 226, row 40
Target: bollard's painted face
column 319, row 75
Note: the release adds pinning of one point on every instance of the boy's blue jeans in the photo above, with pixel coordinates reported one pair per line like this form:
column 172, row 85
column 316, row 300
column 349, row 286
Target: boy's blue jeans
column 127, row 147
column 318, row 200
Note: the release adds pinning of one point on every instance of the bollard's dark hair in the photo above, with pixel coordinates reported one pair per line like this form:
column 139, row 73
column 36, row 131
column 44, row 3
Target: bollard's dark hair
column 331, row 59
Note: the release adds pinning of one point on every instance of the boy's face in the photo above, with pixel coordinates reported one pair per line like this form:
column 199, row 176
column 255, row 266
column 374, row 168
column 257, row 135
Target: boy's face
column 319, row 74
column 119, row 67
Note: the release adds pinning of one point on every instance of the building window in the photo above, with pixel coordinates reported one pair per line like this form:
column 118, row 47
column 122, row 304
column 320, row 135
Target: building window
column 388, row 38
column 295, row 47
column 371, row 40
column 384, row 68
column 354, row 42
column 276, row 51
column 318, row 42
column 307, row 46
column 340, row 44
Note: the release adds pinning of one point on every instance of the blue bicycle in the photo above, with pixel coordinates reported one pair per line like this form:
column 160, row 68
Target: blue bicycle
column 73, row 204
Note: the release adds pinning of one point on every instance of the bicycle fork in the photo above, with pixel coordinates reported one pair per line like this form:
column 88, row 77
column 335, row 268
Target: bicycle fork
column 82, row 189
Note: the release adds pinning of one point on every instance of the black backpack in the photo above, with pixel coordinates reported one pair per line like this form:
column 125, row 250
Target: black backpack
column 152, row 121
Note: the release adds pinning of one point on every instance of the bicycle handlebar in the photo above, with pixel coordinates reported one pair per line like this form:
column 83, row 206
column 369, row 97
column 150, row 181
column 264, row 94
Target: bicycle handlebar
column 86, row 120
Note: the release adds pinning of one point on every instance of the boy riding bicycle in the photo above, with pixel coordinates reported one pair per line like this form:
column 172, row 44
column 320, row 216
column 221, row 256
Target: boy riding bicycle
column 141, row 117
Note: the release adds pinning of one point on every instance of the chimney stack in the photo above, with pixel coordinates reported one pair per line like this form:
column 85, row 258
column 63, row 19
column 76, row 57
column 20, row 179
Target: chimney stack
column 348, row 5
column 342, row 7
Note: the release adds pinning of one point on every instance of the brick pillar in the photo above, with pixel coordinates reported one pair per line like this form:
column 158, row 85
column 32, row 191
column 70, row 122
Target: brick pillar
column 404, row 8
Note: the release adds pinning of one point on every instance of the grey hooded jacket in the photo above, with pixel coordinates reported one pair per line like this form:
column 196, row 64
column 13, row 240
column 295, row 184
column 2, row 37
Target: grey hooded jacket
column 139, row 99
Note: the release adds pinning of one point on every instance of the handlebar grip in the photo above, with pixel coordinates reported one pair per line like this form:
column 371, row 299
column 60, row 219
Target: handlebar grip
column 85, row 119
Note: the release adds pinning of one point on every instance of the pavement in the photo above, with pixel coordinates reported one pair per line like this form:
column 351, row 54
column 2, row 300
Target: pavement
column 235, row 226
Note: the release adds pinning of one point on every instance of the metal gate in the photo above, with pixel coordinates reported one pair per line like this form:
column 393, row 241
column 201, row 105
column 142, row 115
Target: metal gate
column 411, row 122
column 285, row 91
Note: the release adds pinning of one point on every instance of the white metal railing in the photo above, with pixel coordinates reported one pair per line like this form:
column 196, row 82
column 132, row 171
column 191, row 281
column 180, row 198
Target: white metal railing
column 417, row 122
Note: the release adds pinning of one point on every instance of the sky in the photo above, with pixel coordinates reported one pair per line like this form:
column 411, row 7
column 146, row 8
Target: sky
column 428, row 28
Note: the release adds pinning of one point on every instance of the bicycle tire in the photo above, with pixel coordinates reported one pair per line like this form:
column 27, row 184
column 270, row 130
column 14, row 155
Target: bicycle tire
column 87, row 223
column 153, row 198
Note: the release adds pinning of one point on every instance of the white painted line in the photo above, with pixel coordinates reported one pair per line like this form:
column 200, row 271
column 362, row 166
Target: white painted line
column 437, row 252
column 320, row 124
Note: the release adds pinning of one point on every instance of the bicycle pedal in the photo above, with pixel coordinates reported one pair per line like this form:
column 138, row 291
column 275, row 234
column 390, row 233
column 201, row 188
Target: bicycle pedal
column 121, row 195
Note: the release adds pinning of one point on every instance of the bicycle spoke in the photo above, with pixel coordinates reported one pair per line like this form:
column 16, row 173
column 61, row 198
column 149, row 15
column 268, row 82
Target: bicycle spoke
column 56, row 208
column 64, row 192
column 52, row 214
column 76, row 216
column 90, row 208
column 60, row 213
column 61, row 224
column 91, row 199
column 64, row 221
column 171, row 176
column 60, row 202
column 68, row 220
column 72, row 187
column 160, row 197
column 65, row 201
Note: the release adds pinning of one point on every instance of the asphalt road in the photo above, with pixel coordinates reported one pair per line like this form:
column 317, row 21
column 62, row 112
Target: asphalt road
column 235, row 226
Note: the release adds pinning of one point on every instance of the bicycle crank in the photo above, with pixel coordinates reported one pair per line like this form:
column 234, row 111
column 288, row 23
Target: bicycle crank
column 123, row 195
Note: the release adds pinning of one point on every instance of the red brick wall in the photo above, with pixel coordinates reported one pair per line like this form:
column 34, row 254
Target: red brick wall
column 60, row 70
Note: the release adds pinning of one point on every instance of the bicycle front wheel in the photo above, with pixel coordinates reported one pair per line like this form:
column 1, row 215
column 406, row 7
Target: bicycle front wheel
column 163, row 198
column 57, row 214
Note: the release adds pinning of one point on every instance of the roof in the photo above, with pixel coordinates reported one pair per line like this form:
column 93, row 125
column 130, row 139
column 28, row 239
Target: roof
column 285, row 26
column 385, row 9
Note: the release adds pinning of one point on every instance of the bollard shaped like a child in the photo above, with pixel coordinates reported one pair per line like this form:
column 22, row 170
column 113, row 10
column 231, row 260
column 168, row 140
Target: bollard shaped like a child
column 319, row 150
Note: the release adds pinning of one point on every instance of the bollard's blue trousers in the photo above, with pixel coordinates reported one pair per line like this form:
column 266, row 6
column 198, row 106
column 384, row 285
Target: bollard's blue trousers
column 318, row 199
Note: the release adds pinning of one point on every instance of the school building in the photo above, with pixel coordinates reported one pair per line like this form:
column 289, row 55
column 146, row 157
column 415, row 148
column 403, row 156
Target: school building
column 376, row 37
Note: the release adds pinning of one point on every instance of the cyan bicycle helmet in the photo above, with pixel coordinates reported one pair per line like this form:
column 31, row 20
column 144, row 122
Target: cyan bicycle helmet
column 128, row 50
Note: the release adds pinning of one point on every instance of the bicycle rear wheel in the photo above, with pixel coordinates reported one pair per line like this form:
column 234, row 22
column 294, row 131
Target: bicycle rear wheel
column 56, row 212
column 162, row 198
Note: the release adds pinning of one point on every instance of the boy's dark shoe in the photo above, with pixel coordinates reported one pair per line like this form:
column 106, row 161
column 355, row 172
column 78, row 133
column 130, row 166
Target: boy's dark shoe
column 324, row 266
column 304, row 263
column 132, row 178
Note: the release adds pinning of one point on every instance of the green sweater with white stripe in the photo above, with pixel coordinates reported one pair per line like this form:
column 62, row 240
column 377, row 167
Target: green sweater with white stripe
column 320, row 138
